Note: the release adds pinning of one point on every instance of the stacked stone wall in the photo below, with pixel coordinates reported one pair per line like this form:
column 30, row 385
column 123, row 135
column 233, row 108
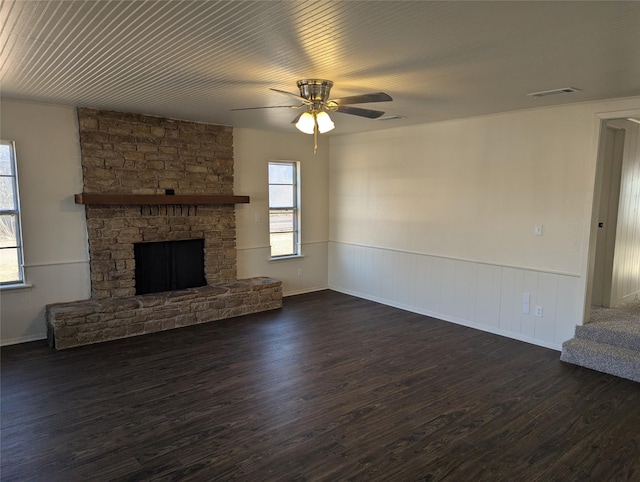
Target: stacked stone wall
column 136, row 154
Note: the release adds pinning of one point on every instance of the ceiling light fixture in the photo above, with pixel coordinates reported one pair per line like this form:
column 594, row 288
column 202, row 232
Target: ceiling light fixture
column 306, row 123
column 325, row 124
column 315, row 122
column 314, row 98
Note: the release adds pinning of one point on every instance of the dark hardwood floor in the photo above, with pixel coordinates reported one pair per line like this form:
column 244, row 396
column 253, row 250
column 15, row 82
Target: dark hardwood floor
column 331, row 387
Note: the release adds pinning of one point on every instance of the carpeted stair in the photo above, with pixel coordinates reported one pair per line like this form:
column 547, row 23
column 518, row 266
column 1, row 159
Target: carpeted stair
column 611, row 346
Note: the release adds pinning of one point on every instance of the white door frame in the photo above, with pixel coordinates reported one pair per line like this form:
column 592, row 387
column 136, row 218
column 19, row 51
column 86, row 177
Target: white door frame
column 609, row 204
column 601, row 121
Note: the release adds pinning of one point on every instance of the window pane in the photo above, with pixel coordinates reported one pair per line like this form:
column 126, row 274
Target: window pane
column 8, row 231
column 283, row 212
column 282, row 244
column 7, row 199
column 281, row 196
column 6, row 166
column 9, row 266
column 280, row 174
column 281, row 221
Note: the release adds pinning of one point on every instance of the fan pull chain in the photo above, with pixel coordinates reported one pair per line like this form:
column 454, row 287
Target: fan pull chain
column 315, row 133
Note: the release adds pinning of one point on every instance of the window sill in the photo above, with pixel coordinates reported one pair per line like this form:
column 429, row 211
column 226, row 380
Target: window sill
column 16, row 287
column 284, row 258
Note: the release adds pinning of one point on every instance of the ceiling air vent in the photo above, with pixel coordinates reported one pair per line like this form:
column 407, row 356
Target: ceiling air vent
column 545, row 93
column 391, row 117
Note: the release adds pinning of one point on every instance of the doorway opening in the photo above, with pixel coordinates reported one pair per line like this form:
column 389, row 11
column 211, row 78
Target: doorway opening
column 614, row 274
column 613, row 138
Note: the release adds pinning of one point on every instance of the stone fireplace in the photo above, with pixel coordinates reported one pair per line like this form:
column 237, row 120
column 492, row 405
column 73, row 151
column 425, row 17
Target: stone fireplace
column 149, row 179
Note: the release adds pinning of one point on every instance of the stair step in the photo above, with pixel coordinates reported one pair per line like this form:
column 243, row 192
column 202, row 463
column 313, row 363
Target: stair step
column 614, row 360
column 625, row 334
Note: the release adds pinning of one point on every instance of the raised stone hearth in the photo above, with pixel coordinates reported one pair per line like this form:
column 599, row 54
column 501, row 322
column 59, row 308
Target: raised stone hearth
column 93, row 321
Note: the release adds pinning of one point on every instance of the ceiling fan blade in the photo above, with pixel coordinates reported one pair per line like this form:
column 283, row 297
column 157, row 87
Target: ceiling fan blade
column 297, row 96
column 363, row 99
column 270, row 107
column 371, row 114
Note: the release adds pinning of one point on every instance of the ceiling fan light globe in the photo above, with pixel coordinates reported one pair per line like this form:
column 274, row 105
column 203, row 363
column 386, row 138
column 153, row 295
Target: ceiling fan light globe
column 325, row 124
column 306, row 123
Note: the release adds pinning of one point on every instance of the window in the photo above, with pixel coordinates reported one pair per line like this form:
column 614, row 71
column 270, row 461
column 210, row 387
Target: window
column 284, row 215
column 11, row 271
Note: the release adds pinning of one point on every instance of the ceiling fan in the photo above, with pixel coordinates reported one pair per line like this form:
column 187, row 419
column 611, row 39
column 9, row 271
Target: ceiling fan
column 314, row 97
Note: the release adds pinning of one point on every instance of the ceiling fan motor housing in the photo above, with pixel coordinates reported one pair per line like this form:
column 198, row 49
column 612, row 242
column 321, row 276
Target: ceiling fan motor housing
column 315, row 90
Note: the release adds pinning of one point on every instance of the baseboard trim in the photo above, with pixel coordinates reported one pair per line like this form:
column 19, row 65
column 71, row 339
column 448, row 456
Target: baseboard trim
column 304, row 291
column 631, row 297
column 23, row 339
column 452, row 319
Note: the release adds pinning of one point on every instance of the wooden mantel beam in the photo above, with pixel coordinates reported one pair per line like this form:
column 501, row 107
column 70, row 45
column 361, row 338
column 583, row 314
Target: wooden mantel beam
column 140, row 199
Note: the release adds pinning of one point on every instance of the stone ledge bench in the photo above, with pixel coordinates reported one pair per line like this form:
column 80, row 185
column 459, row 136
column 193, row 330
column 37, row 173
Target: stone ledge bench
column 93, row 321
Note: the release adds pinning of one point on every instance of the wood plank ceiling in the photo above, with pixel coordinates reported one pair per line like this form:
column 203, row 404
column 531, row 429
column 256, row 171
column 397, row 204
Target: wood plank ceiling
column 197, row 60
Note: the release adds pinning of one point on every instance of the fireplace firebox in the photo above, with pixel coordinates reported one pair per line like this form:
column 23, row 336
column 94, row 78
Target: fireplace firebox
column 169, row 265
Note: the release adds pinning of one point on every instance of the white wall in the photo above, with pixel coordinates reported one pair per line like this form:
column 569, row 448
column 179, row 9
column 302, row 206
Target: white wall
column 253, row 149
column 625, row 284
column 440, row 218
column 53, row 226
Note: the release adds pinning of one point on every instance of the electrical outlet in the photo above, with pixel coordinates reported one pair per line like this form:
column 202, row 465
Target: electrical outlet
column 538, row 230
column 299, row 271
column 539, row 311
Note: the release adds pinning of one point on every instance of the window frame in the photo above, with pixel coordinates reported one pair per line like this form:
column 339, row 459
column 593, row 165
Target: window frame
column 295, row 208
column 17, row 213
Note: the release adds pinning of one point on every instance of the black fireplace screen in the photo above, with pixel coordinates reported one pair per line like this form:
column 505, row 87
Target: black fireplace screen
column 169, row 265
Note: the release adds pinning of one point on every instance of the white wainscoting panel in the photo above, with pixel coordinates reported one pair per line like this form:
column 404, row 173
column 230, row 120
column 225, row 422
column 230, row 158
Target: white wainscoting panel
column 298, row 275
column 480, row 295
column 22, row 311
